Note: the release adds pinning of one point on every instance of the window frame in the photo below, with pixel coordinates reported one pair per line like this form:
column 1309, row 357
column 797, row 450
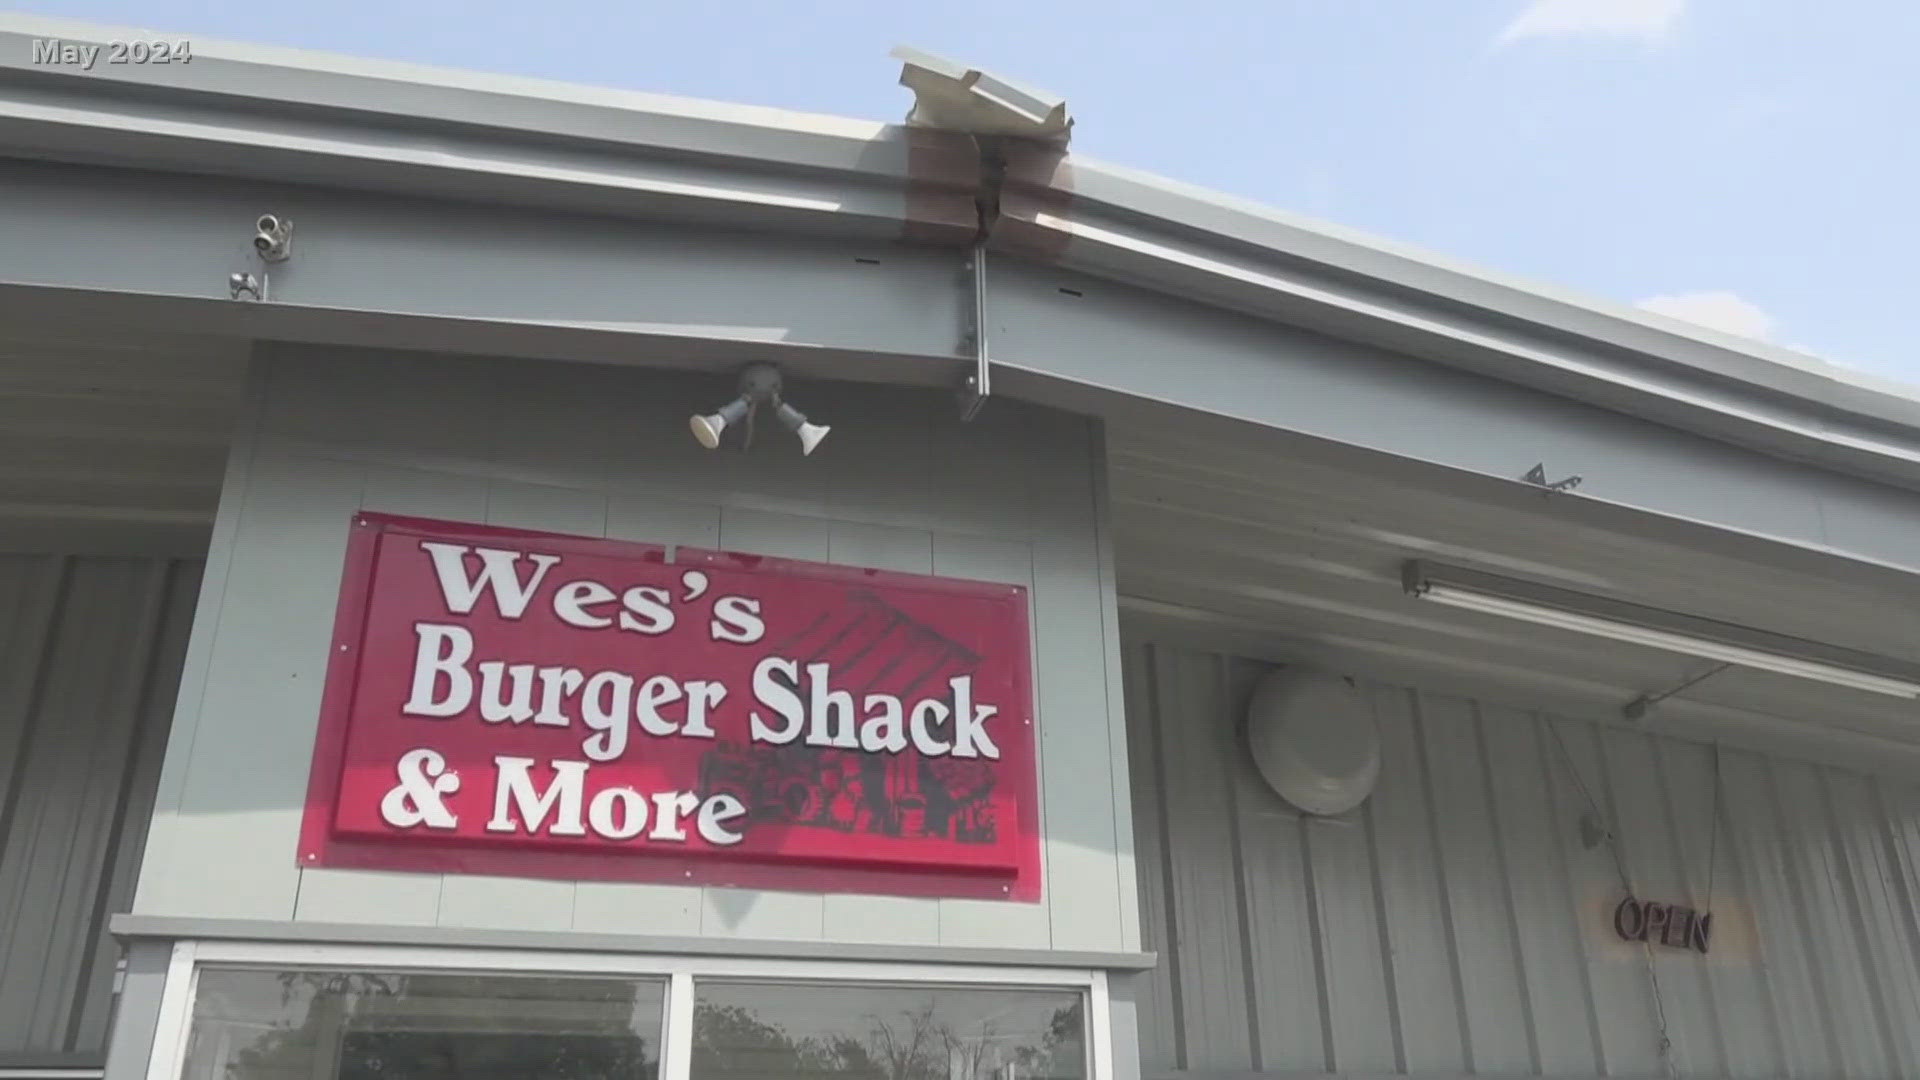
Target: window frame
column 167, row 1058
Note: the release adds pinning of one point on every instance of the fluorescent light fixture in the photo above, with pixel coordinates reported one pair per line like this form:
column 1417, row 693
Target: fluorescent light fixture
column 1654, row 628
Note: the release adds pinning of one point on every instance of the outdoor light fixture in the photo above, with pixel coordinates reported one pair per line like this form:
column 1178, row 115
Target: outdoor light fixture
column 1687, row 635
column 710, row 427
column 759, row 385
column 796, row 421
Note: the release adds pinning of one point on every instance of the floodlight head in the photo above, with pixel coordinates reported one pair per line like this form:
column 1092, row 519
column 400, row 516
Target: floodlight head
column 709, row 427
column 795, row 421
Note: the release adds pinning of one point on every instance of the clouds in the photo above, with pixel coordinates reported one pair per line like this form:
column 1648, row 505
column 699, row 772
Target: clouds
column 1647, row 20
column 1721, row 310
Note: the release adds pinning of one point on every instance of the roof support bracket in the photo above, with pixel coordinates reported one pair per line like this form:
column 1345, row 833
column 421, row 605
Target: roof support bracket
column 977, row 385
column 1639, row 707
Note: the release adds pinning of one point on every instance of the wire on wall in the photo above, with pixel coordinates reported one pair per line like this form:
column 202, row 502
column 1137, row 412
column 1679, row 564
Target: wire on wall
column 1611, row 838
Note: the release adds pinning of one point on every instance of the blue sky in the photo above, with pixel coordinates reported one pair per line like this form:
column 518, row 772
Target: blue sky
column 1752, row 164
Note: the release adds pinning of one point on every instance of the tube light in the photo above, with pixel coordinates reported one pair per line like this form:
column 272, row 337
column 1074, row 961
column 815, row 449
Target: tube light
column 1559, row 617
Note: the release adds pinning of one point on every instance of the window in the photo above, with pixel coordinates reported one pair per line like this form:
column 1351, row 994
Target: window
column 253, row 1011
column 263, row 1024
column 776, row 1031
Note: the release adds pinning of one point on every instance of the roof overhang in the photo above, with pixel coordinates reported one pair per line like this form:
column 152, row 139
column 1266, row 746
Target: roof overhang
column 282, row 115
column 485, row 214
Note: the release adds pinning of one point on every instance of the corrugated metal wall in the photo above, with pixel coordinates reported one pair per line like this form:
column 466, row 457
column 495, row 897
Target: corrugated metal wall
column 90, row 658
column 1460, row 922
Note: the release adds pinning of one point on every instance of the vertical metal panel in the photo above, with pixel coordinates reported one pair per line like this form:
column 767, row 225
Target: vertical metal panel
column 1879, row 915
column 1546, row 932
column 1772, row 924
column 162, row 685
column 1161, row 1032
column 1205, row 908
column 1626, row 1016
column 1818, row 869
column 90, row 654
column 1708, row 866
column 137, row 1010
column 1462, row 921
column 1289, row 1010
column 1432, row 1017
column 1351, row 964
column 1070, row 658
column 1644, row 832
column 1499, row 1024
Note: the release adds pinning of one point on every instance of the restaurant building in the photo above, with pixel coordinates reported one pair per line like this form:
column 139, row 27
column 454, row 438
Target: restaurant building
column 502, row 579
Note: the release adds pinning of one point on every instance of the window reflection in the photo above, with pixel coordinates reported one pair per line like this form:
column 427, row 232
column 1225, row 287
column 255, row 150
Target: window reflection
column 774, row 1031
column 338, row 1025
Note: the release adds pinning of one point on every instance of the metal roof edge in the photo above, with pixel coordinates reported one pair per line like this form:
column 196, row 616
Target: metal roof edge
column 313, row 118
column 1174, row 238
column 295, row 116
column 322, row 78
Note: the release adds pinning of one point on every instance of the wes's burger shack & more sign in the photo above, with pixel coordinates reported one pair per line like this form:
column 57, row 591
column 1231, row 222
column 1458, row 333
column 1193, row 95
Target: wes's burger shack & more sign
column 534, row 705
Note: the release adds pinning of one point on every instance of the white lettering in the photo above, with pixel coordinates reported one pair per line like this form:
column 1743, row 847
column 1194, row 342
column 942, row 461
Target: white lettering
column 970, row 738
column 492, row 708
column 608, row 717
column 618, row 813
column 424, row 780
column 555, row 684
column 655, row 692
column 832, row 711
column 499, row 575
column 513, row 792
column 737, row 619
column 648, row 610
column 668, row 809
column 714, row 814
column 885, row 729
column 575, row 597
column 926, row 714
column 443, row 650
column 702, row 696
column 778, row 696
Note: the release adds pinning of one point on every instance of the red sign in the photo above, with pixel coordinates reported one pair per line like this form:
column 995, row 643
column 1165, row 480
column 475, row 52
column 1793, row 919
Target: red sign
column 533, row 705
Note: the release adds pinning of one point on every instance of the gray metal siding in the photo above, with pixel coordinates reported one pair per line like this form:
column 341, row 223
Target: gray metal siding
column 90, row 655
column 901, row 484
column 1458, row 924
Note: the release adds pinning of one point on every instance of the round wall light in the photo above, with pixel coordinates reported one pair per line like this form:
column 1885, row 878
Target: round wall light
column 1313, row 738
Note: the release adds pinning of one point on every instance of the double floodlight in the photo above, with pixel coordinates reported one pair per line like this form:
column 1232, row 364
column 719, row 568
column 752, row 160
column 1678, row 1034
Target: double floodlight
column 759, row 385
column 1654, row 628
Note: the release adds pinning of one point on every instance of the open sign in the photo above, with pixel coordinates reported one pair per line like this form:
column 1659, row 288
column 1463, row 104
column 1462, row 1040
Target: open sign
column 1656, row 923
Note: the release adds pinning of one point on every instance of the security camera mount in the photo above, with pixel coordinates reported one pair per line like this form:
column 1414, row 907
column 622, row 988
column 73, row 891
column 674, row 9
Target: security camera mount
column 272, row 243
column 273, row 238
